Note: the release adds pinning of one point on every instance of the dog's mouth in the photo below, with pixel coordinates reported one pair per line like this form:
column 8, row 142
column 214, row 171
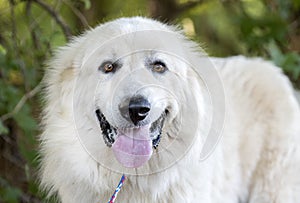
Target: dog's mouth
column 132, row 146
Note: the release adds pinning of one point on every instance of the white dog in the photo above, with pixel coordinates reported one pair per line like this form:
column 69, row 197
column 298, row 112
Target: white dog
column 135, row 97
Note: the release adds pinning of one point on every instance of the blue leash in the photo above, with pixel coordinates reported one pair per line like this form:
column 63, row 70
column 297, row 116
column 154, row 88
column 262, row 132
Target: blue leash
column 114, row 196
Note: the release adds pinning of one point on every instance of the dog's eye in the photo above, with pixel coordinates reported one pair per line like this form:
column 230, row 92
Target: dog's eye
column 159, row 67
column 108, row 67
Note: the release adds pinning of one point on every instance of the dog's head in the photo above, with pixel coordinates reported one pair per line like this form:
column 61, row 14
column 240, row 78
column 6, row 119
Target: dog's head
column 134, row 92
column 137, row 95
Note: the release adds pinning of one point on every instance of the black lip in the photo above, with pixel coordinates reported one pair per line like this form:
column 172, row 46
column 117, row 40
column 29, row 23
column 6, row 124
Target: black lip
column 156, row 129
column 109, row 132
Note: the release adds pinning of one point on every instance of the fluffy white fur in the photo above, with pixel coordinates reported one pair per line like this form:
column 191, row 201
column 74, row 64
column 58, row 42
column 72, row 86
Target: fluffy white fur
column 257, row 160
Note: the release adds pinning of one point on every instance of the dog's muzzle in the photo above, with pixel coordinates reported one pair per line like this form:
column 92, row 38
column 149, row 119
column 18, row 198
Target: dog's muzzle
column 135, row 110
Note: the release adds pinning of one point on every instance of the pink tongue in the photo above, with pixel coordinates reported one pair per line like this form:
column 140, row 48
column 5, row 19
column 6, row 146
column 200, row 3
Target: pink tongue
column 133, row 147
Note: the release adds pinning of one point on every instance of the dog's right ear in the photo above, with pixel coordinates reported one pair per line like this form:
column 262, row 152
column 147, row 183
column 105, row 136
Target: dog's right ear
column 63, row 66
column 67, row 75
column 61, row 72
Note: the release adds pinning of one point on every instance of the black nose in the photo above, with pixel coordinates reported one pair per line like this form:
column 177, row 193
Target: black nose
column 138, row 108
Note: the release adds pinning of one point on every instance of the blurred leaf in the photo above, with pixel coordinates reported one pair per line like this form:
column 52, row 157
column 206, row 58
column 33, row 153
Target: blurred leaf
column 11, row 195
column 275, row 53
column 8, row 193
column 29, row 126
column 24, row 119
column 15, row 77
column 289, row 62
column 87, row 4
column 296, row 4
column 2, row 50
column 3, row 129
column 257, row 32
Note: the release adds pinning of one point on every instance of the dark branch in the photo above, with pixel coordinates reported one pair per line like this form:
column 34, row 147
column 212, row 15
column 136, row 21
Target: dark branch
column 32, row 26
column 13, row 24
column 77, row 13
column 65, row 28
column 21, row 103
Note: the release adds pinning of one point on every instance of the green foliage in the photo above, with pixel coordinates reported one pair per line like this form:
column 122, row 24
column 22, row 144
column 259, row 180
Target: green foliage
column 10, row 95
column 257, row 32
column 290, row 62
column 87, row 4
column 252, row 28
column 8, row 193
column 3, row 129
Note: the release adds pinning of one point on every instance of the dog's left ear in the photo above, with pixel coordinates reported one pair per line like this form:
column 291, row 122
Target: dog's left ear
column 206, row 68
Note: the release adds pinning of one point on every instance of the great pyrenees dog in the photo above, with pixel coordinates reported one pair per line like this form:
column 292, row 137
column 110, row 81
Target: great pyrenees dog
column 136, row 97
